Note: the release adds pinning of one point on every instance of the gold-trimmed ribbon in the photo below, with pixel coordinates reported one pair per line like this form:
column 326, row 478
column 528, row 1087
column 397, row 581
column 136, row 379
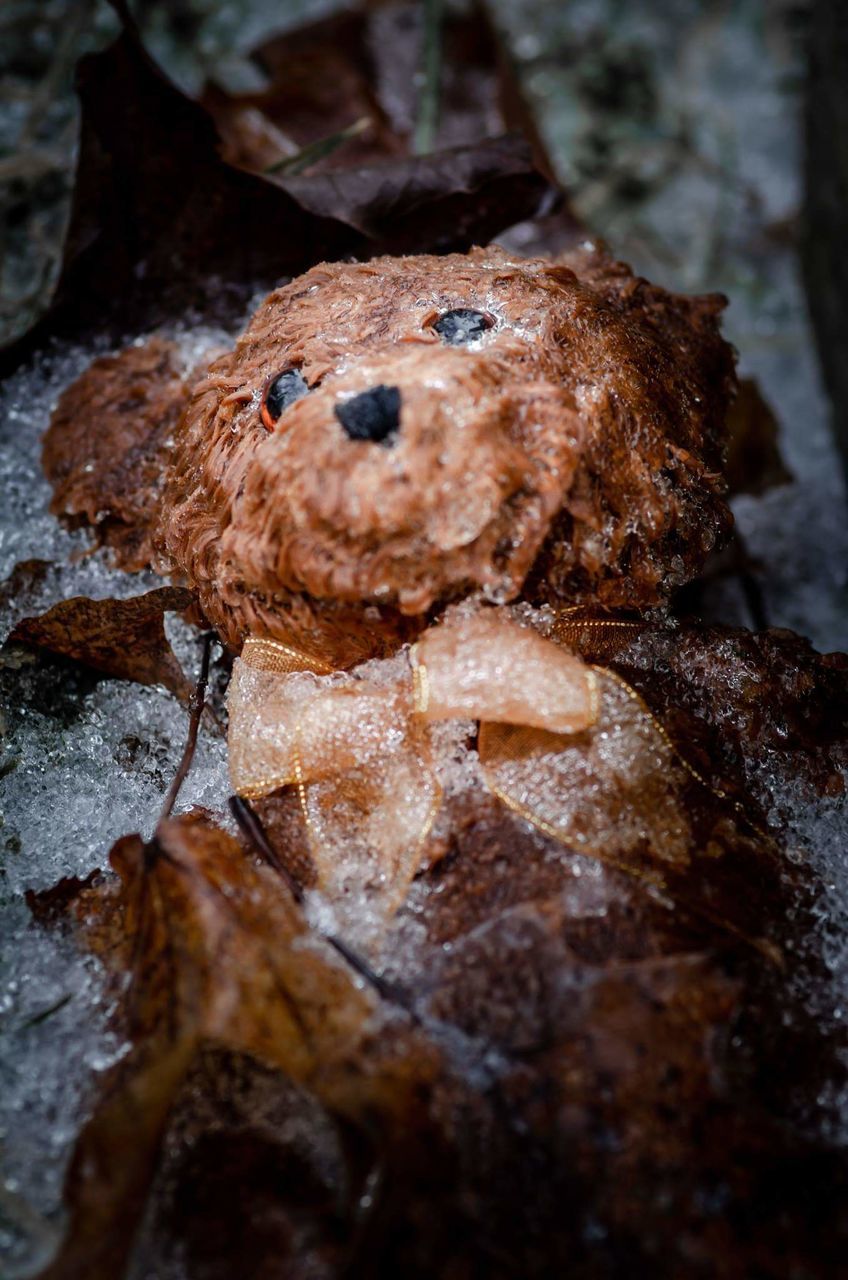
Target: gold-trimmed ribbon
column 359, row 760
column 282, row 659
column 369, row 794
column 614, row 792
column 579, row 628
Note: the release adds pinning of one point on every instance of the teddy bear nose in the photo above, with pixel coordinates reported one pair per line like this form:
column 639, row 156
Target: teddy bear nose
column 372, row 415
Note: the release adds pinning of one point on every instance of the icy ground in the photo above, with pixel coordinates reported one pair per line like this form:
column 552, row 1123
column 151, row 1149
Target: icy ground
column 689, row 165
column 82, row 762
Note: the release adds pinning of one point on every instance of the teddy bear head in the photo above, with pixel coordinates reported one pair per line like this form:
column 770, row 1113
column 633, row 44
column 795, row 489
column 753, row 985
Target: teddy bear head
column 390, row 436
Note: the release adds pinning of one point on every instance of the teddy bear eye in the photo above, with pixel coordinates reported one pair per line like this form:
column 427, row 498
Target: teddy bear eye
column 461, row 326
column 280, row 392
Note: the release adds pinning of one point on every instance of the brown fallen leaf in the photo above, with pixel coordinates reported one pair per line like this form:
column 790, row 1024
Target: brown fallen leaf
column 122, row 638
column 439, row 201
column 153, row 190
column 365, row 64
column 540, row 1084
column 54, row 905
column 215, row 953
column 759, row 714
column 320, row 78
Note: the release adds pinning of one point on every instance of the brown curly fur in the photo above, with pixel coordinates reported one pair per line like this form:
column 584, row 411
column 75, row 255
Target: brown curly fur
column 575, row 448
column 106, row 448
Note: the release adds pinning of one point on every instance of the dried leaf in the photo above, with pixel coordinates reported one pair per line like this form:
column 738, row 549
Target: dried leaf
column 319, row 79
column 440, row 201
column 216, row 954
column 122, row 638
column 53, row 905
column 758, row 714
column 572, row 1044
column 366, row 62
column 153, row 190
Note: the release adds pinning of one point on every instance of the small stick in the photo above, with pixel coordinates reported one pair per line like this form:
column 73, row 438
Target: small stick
column 38, row 1018
column 250, row 824
column 197, row 705
column 428, row 105
column 290, row 166
column 383, row 988
column 751, row 588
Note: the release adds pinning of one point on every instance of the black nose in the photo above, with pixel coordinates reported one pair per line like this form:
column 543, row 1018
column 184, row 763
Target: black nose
column 374, row 415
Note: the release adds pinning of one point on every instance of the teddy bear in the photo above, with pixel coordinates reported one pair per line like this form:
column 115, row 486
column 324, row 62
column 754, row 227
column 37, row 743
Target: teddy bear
column 422, row 462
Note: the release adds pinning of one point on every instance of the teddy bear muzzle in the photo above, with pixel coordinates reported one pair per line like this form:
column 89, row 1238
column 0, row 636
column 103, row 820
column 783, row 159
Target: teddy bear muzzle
column 392, row 479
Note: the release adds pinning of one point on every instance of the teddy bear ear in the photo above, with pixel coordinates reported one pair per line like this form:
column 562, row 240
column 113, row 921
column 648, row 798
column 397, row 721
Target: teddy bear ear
column 592, row 264
column 108, row 444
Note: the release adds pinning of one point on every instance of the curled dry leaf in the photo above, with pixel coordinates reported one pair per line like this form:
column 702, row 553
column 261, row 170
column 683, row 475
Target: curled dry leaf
column 364, row 64
column 153, row 190
column 122, row 638
column 433, row 202
column 214, row 952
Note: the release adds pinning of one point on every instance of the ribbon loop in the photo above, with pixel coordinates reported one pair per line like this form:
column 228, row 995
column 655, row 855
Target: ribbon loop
column 357, row 755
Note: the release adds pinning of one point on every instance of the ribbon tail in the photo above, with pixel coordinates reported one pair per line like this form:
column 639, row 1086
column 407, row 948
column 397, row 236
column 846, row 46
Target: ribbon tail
column 367, row 828
column 616, row 793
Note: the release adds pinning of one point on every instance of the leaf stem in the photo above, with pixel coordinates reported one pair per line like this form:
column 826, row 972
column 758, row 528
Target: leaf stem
column 289, row 166
column 251, row 827
column 428, row 103
column 197, row 705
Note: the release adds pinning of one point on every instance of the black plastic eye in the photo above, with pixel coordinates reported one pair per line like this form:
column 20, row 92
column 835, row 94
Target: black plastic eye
column 374, row 415
column 461, row 326
column 282, row 391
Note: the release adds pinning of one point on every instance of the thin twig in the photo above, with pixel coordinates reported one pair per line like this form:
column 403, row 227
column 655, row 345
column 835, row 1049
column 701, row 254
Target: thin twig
column 289, row 166
column 197, row 705
column 38, row 1018
column 428, row 103
column 73, row 24
column 751, row 588
column 251, row 827
column 383, row 988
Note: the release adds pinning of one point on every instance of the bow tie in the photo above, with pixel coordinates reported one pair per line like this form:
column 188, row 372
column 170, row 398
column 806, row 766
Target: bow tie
column 371, row 753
